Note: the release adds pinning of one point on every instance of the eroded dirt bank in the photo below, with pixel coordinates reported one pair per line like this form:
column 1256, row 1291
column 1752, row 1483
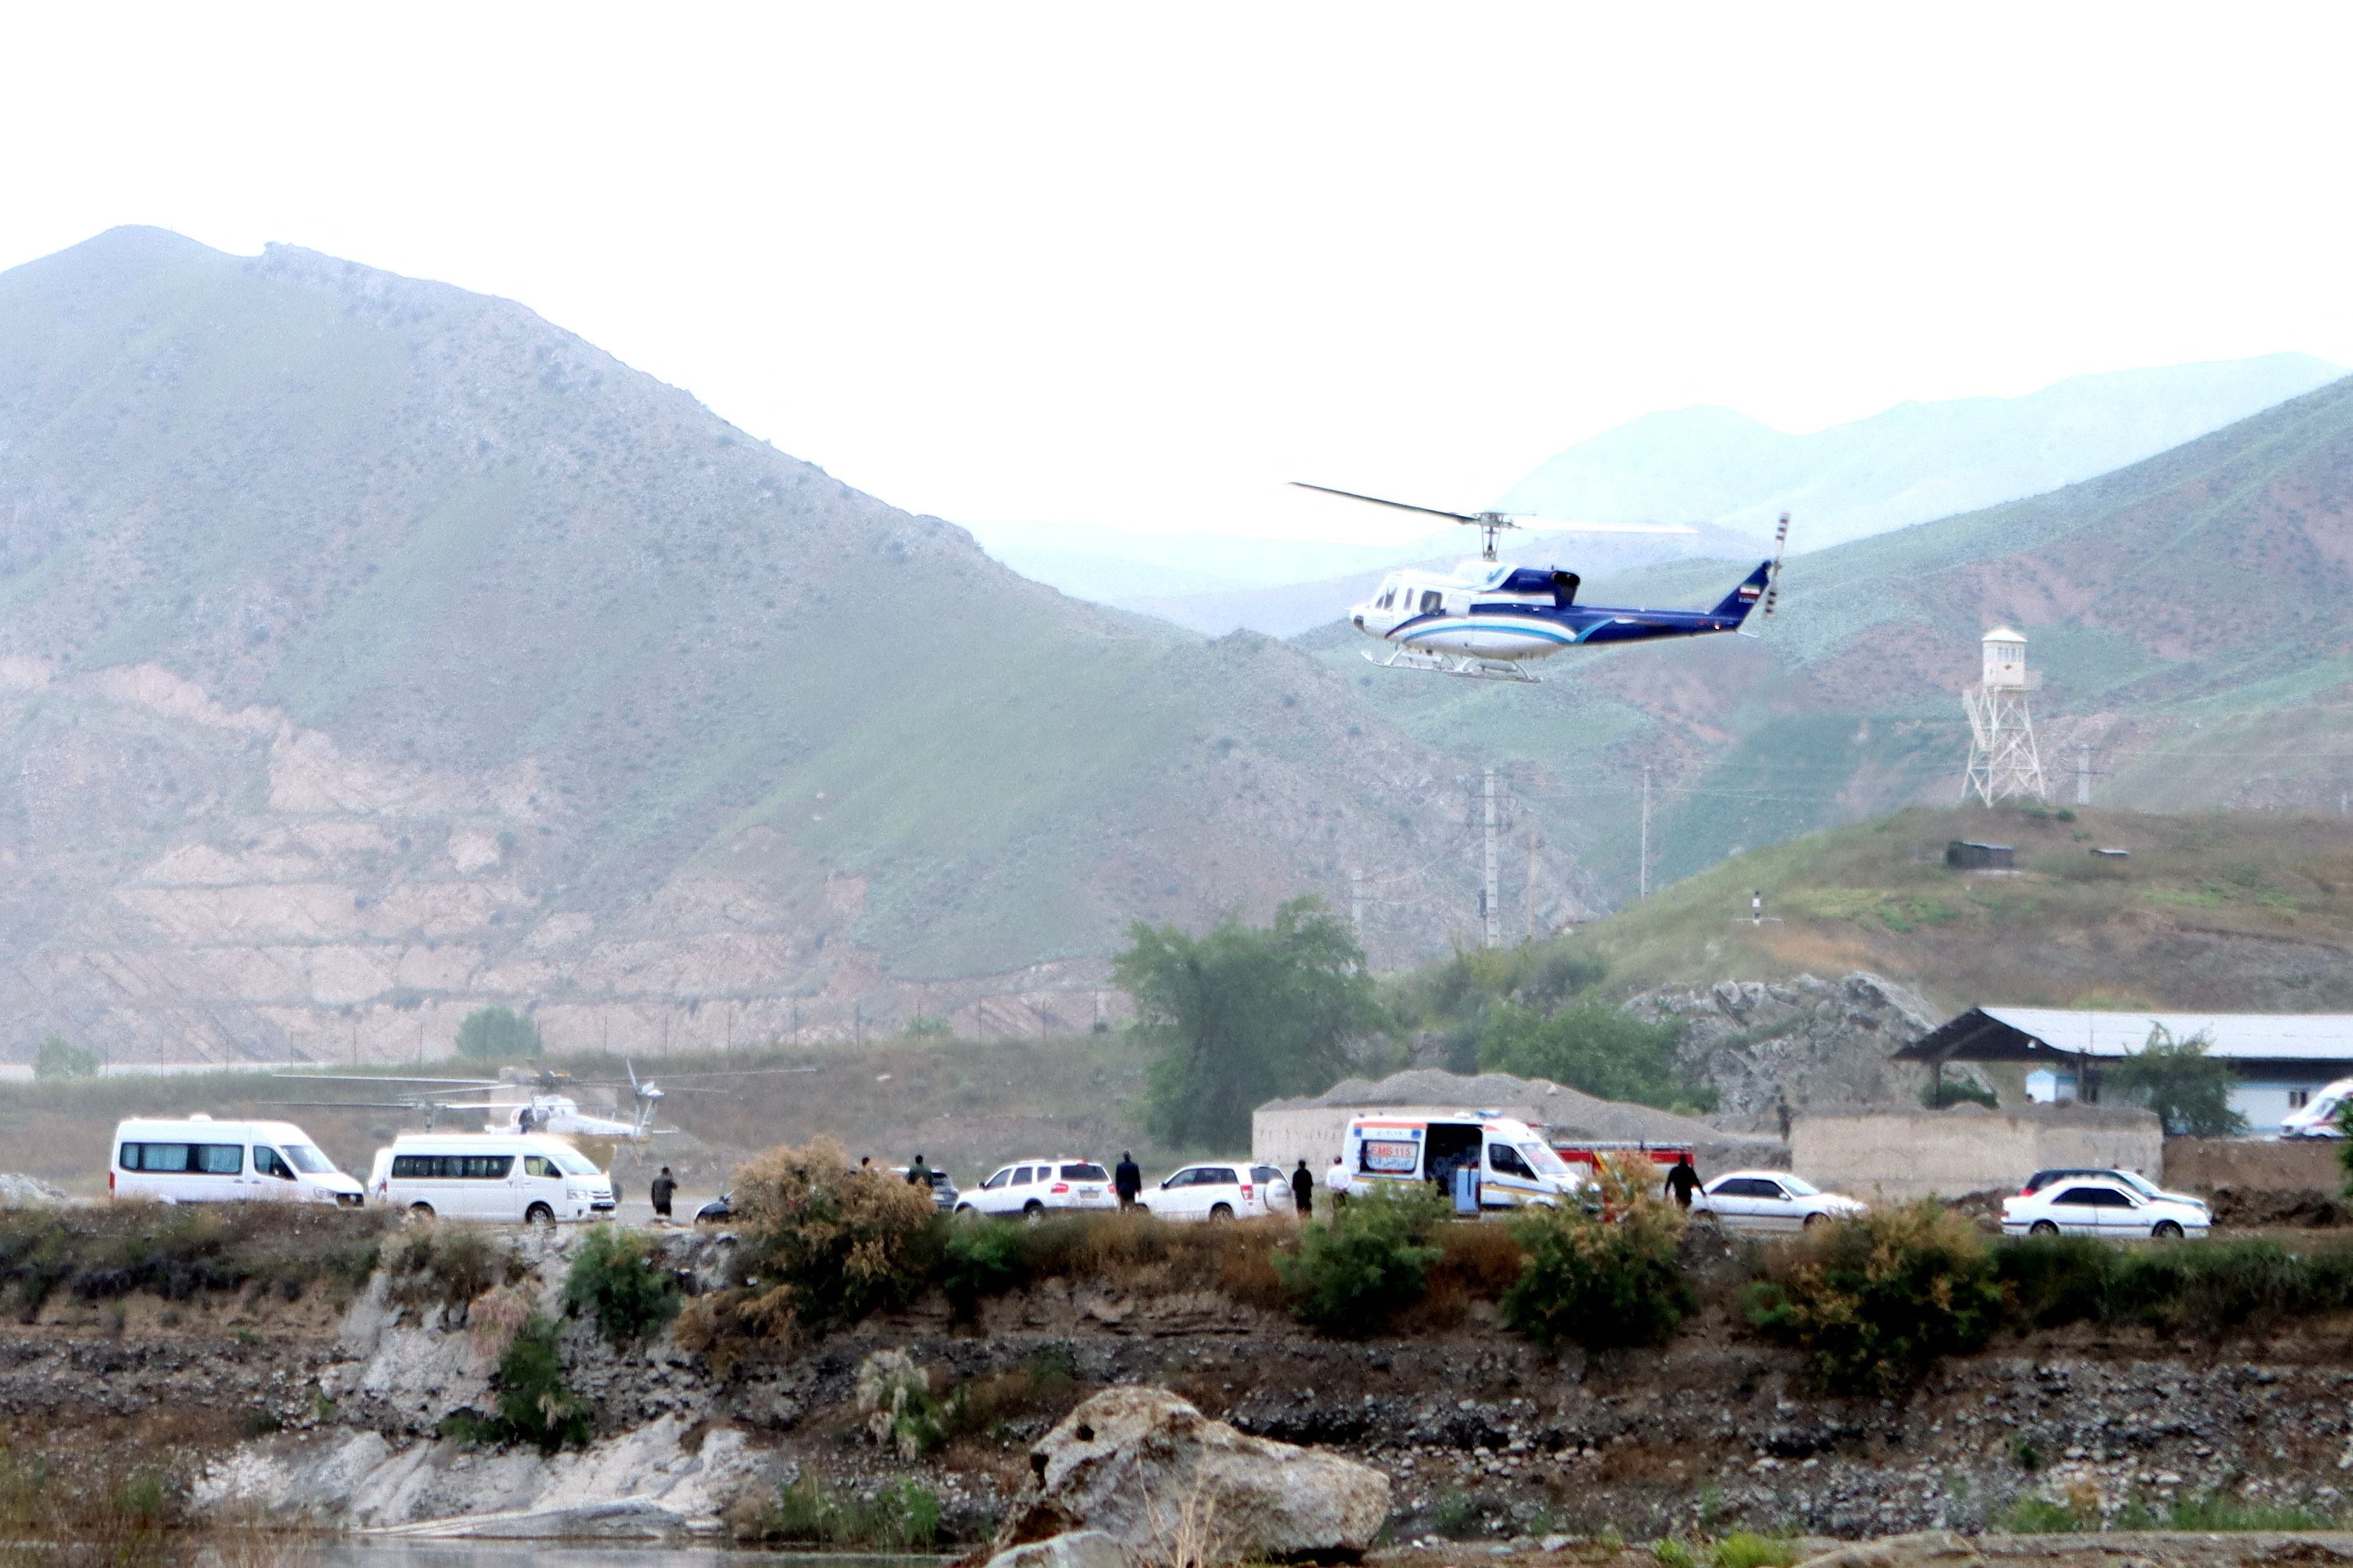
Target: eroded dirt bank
column 333, row 1412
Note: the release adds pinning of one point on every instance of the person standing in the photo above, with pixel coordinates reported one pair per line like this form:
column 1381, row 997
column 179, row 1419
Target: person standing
column 663, row 1190
column 1336, row 1184
column 1127, row 1180
column 1781, row 1115
column 919, row 1174
column 1302, row 1190
column 1683, row 1181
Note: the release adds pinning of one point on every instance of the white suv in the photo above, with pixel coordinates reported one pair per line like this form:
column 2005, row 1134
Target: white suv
column 1036, row 1188
column 1218, row 1192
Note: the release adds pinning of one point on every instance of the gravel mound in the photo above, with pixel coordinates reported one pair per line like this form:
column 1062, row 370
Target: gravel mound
column 29, row 1193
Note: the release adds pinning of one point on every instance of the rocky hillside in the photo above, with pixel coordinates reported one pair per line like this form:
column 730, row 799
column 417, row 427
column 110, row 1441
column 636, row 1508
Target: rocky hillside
column 2191, row 617
column 371, row 651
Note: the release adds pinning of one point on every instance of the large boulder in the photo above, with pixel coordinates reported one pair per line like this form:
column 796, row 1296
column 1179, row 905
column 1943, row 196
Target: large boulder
column 1172, row 1486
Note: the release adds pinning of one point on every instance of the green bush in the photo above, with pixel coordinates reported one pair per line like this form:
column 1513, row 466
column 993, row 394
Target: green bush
column 1876, row 1300
column 2041, row 1516
column 980, row 1260
column 894, row 1394
column 2057, row 1279
column 534, row 1405
column 497, row 1035
column 1350, row 1277
column 900, row 1517
column 616, row 1276
column 59, row 1058
column 1599, row 1283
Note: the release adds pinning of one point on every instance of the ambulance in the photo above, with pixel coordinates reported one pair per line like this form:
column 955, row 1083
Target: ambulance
column 1481, row 1159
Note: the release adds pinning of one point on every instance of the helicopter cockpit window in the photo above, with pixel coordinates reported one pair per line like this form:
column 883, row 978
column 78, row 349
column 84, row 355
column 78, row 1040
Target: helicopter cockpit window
column 1389, row 597
column 1430, row 600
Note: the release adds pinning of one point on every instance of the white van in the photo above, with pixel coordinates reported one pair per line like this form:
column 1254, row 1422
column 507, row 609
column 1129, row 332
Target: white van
column 1508, row 1164
column 509, row 1176
column 197, row 1160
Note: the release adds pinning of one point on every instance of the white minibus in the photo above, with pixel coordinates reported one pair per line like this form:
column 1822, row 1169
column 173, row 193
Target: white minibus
column 197, row 1160
column 1483, row 1161
column 505, row 1176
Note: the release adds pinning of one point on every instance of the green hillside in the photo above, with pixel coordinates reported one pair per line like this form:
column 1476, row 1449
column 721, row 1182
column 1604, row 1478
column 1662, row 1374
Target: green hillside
column 2192, row 618
column 366, row 645
column 2226, row 911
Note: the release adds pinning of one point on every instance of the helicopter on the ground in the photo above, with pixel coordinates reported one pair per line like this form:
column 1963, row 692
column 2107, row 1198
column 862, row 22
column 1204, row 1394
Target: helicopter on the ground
column 1487, row 617
column 524, row 1099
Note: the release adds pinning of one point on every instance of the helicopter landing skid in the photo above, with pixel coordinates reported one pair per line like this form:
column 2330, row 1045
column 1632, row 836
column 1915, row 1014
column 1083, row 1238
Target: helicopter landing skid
column 1455, row 664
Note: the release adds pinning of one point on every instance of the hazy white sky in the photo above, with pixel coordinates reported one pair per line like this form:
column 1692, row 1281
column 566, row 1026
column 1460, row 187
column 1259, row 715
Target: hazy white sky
column 1137, row 265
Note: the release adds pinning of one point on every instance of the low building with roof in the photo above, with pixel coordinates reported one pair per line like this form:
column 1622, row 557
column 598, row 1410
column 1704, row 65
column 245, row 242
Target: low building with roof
column 2282, row 1060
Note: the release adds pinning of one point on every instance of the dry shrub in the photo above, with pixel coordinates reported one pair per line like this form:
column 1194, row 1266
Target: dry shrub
column 821, row 1245
column 449, row 1265
column 1480, row 1260
column 78, row 1510
column 493, row 1320
column 1246, row 1255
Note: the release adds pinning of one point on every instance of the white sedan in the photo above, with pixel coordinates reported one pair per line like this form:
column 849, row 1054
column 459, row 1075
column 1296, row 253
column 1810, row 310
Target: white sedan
column 1218, row 1192
column 2100, row 1206
column 1769, row 1200
column 1036, row 1188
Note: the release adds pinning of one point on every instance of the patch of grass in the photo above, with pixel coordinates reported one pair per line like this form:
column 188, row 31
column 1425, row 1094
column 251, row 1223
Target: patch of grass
column 1745, row 1549
column 1672, row 1552
column 103, row 1254
column 2041, row 1516
column 1456, row 1515
column 2222, row 1511
column 899, row 1516
column 445, row 1263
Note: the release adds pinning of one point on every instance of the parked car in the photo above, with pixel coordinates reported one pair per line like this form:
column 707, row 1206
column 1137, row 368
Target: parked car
column 1035, row 1188
column 1218, row 1192
column 944, row 1189
column 2101, row 1206
column 2133, row 1179
column 718, row 1211
column 1769, row 1200
column 512, row 1176
column 197, row 1160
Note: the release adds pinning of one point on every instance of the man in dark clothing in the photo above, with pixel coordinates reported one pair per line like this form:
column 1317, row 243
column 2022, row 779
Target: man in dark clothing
column 663, row 1188
column 1302, row 1190
column 919, row 1174
column 1683, row 1181
column 1781, row 1115
column 1126, row 1181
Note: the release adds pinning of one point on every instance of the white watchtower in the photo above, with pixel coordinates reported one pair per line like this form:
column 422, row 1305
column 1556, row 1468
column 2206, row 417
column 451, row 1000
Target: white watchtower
column 2003, row 761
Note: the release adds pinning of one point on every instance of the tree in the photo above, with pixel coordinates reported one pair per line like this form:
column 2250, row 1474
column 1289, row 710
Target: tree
column 497, row 1035
column 1592, row 1046
column 2189, row 1090
column 59, row 1058
column 1243, row 1015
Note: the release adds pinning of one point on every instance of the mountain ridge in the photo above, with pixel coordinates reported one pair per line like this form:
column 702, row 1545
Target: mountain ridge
column 373, row 649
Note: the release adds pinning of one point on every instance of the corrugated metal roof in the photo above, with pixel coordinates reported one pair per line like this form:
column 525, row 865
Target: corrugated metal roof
column 2243, row 1036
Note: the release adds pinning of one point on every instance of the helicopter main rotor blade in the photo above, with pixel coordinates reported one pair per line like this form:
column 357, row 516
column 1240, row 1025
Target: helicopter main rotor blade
column 466, row 1083
column 1548, row 525
column 1400, row 505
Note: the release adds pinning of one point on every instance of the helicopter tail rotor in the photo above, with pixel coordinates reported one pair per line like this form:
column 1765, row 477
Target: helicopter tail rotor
column 1773, row 578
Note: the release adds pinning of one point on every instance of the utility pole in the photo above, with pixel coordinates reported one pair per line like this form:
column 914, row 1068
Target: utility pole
column 1644, row 877
column 1531, row 884
column 2083, row 778
column 1488, row 912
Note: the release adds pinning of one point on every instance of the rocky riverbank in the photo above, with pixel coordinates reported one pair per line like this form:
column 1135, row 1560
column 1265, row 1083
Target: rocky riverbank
column 333, row 1415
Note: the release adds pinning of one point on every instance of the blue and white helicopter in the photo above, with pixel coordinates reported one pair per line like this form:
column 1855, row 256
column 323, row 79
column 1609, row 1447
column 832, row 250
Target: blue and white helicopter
column 1486, row 619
